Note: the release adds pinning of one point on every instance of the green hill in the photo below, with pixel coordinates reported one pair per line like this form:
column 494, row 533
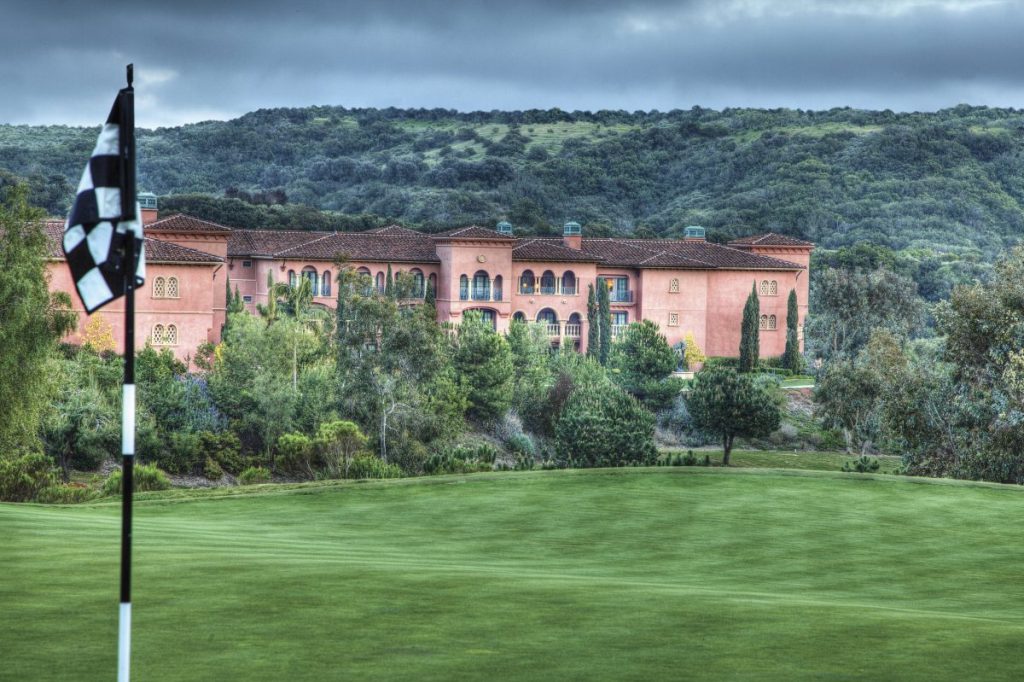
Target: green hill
column 568, row 575
column 950, row 181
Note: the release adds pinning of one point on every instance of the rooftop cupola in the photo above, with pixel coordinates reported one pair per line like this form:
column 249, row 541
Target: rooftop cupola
column 694, row 233
column 572, row 235
column 505, row 228
column 147, row 202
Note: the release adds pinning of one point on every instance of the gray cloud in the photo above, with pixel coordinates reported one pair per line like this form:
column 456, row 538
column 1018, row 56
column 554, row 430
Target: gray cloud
column 197, row 60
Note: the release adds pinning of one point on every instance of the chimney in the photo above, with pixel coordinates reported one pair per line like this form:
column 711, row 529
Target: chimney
column 572, row 236
column 147, row 202
column 694, row 233
column 505, row 228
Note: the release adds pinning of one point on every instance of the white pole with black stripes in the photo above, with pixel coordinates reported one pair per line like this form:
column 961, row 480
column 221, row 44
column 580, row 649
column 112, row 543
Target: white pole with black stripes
column 126, row 152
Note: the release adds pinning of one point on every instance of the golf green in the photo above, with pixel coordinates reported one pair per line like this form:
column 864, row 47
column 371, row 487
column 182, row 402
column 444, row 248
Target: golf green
column 629, row 574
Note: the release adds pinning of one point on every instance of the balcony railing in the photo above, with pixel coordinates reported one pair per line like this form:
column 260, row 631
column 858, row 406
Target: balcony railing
column 618, row 330
column 569, row 290
column 481, row 294
column 554, row 329
column 620, row 296
column 547, row 291
column 573, row 330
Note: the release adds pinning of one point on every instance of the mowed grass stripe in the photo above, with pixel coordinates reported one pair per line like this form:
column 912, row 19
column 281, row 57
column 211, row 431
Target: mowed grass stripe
column 553, row 575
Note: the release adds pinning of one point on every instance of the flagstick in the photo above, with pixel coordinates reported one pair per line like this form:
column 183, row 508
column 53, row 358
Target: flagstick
column 127, row 154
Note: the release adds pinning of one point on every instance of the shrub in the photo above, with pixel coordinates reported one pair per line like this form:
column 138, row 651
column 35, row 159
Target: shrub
column 145, row 476
column 521, row 445
column 224, row 448
column 23, row 478
column 368, row 466
column 602, row 426
column 863, row 465
column 254, row 475
column 212, row 470
column 66, row 494
column 690, row 459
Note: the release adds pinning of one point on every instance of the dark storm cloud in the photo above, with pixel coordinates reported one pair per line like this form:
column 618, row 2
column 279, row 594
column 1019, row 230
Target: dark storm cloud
column 197, row 61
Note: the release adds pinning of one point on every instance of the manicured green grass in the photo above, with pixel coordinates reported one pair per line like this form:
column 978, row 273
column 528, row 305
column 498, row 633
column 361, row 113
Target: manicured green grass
column 630, row 574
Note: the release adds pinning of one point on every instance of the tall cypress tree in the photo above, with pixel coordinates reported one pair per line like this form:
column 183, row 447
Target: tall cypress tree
column 791, row 359
column 605, row 315
column 431, row 296
column 593, row 323
column 750, row 342
column 389, row 284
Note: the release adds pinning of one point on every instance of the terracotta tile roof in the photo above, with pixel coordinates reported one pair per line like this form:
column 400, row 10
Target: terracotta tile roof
column 395, row 246
column 393, row 230
column 472, row 232
column 768, row 239
column 186, row 223
column 268, row 242
column 552, row 249
column 157, row 250
column 680, row 254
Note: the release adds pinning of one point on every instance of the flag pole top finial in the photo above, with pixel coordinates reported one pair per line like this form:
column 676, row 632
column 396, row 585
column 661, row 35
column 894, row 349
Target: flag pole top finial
column 131, row 75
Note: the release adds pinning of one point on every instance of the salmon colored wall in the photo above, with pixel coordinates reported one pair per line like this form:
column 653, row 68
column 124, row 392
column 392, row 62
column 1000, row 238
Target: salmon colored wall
column 689, row 303
column 727, row 294
column 217, row 244
column 466, row 258
column 191, row 312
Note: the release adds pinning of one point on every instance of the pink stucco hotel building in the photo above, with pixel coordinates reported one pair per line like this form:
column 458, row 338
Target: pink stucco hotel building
column 685, row 286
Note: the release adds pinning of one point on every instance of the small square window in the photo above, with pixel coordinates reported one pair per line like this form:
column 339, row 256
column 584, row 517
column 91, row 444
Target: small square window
column 673, row 319
column 247, row 299
column 247, row 264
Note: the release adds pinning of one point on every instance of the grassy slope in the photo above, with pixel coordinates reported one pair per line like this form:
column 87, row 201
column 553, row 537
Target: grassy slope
column 628, row 574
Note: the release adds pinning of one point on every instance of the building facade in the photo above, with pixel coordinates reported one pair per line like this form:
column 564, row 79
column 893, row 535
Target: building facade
column 684, row 286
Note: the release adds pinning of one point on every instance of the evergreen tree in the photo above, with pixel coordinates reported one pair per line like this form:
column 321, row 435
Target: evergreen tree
column 32, row 321
column 750, row 342
column 727, row 403
column 605, row 316
column 593, row 323
column 389, row 284
column 642, row 363
column 483, row 362
column 791, row 358
column 430, row 299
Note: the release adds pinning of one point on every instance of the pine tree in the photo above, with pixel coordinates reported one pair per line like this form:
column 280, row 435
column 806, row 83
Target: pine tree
column 605, row 317
column 594, row 324
column 430, row 298
column 750, row 342
column 389, row 284
column 791, row 358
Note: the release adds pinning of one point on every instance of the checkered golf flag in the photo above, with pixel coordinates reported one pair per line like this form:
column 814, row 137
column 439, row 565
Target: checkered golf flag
column 97, row 232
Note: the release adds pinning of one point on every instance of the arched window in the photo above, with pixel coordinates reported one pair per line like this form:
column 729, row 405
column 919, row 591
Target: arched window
column 309, row 273
column 365, row 272
column 463, row 288
column 487, row 315
column 569, row 283
column 172, row 287
column 292, row 280
column 481, row 286
column 764, row 287
column 773, row 288
column 764, row 322
column 159, row 287
column 673, row 286
column 380, row 282
column 496, row 287
column 526, row 282
column 549, row 317
column 417, row 283
column 158, row 335
column 574, row 326
column 547, row 282
column 325, row 283
column 772, row 322
column 519, row 317
column 171, row 335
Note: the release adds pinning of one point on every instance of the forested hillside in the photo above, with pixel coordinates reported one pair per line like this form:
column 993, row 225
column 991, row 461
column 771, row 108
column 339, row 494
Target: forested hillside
column 951, row 182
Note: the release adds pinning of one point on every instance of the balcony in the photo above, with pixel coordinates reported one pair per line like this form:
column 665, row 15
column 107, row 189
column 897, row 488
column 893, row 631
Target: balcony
column 573, row 330
column 618, row 330
column 620, row 296
column 481, row 294
column 554, row 329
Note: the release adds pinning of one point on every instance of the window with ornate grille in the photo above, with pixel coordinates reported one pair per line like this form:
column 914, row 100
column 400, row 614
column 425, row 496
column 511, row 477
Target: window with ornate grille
column 772, row 322
column 171, row 335
column 157, row 336
column 673, row 286
column 764, row 288
column 764, row 322
column 773, row 288
column 172, row 287
column 159, row 288
column 673, row 319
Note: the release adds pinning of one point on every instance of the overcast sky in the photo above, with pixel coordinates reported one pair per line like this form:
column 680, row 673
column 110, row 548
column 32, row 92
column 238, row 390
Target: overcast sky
column 200, row 59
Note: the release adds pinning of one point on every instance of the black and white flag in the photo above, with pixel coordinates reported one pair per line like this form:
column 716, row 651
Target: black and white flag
column 98, row 230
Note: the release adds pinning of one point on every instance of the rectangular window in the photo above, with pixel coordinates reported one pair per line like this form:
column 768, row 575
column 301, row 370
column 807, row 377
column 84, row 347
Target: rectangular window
column 247, row 264
column 673, row 319
column 247, row 299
